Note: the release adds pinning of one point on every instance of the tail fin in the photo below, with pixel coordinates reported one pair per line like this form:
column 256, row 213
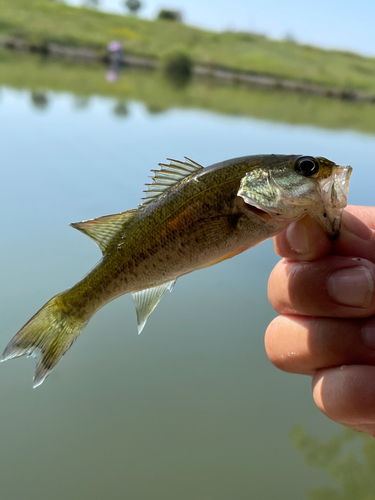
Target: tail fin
column 47, row 335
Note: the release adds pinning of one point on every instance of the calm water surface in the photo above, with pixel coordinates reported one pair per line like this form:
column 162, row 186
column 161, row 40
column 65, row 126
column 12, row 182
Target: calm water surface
column 192, row 408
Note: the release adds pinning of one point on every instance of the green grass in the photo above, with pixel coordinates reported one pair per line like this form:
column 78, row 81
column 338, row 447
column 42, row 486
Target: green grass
column 43, row 21
column 31, row 72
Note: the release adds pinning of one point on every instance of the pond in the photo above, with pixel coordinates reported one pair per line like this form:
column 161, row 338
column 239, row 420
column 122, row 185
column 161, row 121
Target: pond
column 191, row 408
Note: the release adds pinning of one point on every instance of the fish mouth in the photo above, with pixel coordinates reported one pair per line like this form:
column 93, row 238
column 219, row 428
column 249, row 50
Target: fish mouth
column 257, row 211
column 288, row 200
column 334, row 193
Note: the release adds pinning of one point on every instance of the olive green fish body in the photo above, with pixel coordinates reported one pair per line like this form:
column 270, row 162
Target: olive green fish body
column 192, row 217
column 200, row 222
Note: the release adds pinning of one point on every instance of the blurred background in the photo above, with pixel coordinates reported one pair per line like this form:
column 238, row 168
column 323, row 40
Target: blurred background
column 92, row 96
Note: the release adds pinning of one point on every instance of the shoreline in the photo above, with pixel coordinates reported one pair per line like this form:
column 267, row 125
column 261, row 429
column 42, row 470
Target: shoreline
column 90, row 55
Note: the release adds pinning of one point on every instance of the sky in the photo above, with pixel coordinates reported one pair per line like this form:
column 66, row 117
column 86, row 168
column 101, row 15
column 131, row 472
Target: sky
column 344, row 25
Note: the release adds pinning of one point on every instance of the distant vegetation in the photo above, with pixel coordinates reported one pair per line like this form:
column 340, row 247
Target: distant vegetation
column 170, row 15
column 43, row 21
column 178, row 66
column 92, row 3
column 133, row 5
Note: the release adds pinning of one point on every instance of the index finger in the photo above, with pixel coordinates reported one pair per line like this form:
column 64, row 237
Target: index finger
column 366, row 214
column 306, row 240
column 303, row 240
column 357, row 239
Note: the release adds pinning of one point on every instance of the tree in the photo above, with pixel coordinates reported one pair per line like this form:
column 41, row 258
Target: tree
column 93, row 4
column 133, row 5
column 170, row 15
column 178, row 67
column 349, row 460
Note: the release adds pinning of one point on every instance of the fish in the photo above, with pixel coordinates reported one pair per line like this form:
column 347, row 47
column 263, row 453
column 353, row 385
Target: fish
column 191, row 217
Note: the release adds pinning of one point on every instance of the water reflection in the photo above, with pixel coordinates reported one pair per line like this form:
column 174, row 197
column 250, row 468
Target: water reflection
column 121, row 109
column 158, row 93
column 154, row 109
column 115, row 54
column 347, row 458
column 39, row 100
column 81, row 102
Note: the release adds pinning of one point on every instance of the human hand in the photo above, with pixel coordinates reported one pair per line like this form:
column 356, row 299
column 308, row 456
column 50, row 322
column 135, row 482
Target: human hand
column 324, row 292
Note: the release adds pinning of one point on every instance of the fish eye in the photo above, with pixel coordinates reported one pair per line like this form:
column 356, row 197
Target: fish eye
column 307, row 166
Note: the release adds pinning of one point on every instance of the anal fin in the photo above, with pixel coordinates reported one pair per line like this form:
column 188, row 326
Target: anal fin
column 145, row 301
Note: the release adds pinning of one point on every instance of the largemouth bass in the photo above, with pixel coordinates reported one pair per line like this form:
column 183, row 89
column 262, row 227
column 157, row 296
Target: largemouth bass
column 192, row 217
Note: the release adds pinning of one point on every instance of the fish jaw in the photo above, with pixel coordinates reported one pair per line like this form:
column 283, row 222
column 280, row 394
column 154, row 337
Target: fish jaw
column 334, row 192
column 287, row 197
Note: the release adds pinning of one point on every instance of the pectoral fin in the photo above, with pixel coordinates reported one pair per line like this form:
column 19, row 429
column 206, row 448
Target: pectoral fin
column 145, row 301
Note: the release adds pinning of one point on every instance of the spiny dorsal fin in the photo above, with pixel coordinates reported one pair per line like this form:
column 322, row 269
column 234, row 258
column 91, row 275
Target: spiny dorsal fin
column 145, row 301
column 169, row 176
column 103, row 229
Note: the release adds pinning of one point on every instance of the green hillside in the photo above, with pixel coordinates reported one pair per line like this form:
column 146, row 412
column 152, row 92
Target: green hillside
column 44, row 21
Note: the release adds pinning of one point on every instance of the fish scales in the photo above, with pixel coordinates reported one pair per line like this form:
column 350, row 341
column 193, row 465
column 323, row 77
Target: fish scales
column 198, row 217
column 176, row 234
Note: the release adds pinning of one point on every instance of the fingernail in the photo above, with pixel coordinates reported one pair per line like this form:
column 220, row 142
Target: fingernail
column 297, row 238
column 355, row 226
column 352, row 286
column 368, row 333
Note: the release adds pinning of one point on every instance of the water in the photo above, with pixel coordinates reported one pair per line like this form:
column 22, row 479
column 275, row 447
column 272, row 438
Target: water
column 192, row 408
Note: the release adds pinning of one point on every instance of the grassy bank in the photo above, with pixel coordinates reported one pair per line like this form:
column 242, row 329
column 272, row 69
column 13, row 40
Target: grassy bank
column 43, row 21
column 31, row 72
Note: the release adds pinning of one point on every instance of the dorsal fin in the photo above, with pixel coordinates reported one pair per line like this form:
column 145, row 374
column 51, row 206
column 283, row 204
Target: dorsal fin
column 169, row 176
column 103, row 229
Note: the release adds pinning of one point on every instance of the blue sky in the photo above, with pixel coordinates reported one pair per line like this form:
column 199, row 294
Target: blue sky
column 336, row 24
